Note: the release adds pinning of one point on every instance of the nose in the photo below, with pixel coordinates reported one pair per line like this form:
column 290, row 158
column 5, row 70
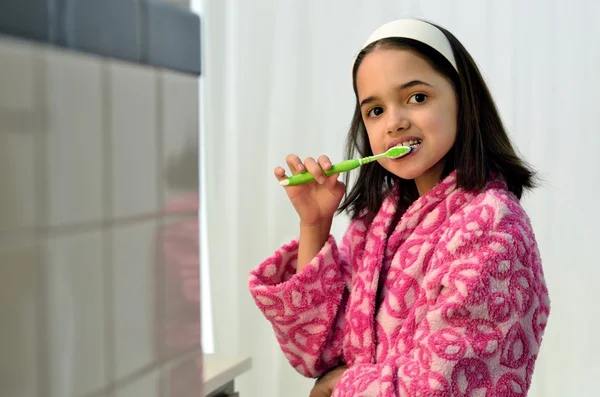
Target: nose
column 397, row 120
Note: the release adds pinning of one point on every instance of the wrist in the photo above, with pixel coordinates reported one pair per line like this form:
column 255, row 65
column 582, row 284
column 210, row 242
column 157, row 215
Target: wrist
column 318, row 229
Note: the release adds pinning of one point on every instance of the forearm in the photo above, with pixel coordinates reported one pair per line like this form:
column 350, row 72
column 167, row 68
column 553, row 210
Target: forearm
column 312, row 239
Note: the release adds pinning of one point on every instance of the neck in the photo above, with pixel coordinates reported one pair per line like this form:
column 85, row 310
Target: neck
column 429, row 178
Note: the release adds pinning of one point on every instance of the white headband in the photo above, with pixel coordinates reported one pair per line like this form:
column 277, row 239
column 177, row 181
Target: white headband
column 416, row 30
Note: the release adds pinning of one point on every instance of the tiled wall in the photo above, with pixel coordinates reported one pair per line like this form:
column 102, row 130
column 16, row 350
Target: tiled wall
column 162, row 33
column 98, row 227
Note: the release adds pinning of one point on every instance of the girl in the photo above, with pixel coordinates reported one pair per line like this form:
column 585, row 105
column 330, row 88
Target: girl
column 437, row 287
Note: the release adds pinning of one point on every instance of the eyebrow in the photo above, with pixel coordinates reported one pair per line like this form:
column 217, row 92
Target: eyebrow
column 402, row 87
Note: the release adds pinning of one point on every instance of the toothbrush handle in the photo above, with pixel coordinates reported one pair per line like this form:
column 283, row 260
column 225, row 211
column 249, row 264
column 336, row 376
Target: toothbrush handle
column 306, row 177
column 344, row 166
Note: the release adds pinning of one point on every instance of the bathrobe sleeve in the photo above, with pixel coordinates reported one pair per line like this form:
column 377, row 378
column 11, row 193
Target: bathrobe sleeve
column 305, row 309
column 485, row 316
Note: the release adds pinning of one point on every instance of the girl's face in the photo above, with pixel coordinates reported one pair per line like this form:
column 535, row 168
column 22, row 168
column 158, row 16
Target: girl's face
column 404, row 100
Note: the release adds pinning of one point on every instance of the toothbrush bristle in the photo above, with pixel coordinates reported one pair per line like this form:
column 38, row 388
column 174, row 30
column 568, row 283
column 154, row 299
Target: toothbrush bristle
column 399, row 151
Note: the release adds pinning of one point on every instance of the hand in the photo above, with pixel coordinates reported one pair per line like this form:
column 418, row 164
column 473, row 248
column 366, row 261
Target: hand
column 326, row 384
column 314, row 202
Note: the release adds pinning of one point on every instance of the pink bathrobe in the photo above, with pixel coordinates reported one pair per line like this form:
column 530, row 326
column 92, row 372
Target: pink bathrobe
column 451, row 302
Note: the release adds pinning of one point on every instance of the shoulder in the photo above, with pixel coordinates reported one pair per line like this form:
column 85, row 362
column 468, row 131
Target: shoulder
column 495, row 209
column 493, row 217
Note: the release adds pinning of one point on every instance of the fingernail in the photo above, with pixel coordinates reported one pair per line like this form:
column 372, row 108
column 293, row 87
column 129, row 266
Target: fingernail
column 321, row 180
column 300, row 167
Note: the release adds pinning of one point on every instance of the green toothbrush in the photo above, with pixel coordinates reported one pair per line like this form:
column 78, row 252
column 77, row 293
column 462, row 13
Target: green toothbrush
column 345, row 166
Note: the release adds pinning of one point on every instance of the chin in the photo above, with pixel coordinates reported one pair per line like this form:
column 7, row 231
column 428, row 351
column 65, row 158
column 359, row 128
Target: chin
column 407, row 171
column 407, row 175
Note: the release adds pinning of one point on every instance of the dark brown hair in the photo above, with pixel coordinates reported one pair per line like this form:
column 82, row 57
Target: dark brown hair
column 482, row 146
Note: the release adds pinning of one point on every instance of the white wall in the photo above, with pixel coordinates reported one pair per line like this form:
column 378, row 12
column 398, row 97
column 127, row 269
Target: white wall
column 278, row 81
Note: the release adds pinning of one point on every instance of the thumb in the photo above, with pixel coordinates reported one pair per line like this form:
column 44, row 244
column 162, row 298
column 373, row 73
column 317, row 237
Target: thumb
column 318, row 392
column 339, row 190
column 334, row 185
column 331, row 181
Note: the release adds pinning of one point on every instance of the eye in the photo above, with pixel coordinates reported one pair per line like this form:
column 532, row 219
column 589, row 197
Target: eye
column 417, row 98
column 376, row 111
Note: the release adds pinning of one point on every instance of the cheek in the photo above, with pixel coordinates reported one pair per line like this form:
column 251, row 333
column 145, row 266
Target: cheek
column 442, row 124
column 451, row 127
column 375, row 139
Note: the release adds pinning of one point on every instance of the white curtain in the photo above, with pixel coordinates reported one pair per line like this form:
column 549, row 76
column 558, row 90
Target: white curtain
column 277, row 80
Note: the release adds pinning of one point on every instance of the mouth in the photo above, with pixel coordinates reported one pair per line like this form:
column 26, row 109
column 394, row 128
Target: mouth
column 412, row 142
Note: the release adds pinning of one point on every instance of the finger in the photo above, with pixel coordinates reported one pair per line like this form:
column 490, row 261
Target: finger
column 279, row 173
column 324, row 162
column 315, row 169
column 294, row 163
